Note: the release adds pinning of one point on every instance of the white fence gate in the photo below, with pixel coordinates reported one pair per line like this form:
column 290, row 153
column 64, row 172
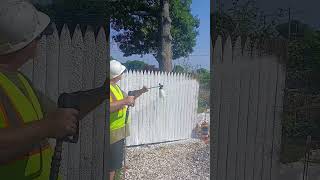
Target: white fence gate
column 157, row 119
column 247, row 105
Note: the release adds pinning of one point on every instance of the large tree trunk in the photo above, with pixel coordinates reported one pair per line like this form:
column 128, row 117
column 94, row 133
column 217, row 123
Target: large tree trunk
column 165, row 61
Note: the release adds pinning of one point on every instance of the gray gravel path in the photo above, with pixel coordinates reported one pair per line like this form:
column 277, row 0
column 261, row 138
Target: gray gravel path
column 294, row 171
column 185, row 160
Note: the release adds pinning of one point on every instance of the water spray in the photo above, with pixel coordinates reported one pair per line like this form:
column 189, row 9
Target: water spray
column 162, row 93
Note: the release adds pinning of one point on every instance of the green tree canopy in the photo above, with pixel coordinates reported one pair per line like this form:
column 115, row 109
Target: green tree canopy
column 178, row 69
column 135, row 65
column 304, row 58
column 73, row 12
column 137, row 22
column 203, row 77
column 298, row 29
column 244, row 18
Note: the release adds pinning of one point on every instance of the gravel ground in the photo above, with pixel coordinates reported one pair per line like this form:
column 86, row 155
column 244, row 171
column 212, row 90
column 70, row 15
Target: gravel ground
column 185, row 160
column 294, row 171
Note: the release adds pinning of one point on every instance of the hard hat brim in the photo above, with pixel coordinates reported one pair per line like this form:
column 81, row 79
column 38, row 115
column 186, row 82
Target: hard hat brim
column 44, row 21
column 123, row 68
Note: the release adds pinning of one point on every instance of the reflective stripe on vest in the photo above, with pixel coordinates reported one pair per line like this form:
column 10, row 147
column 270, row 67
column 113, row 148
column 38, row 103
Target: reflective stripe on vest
column 3, row 117
column 34, row 165
column 117, row 119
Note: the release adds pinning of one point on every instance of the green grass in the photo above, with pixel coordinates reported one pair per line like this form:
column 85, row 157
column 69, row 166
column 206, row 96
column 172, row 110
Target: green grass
column 118, row 174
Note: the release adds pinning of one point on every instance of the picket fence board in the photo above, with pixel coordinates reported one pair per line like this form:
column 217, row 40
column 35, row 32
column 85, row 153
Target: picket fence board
column 247, row 102
column 68, row 64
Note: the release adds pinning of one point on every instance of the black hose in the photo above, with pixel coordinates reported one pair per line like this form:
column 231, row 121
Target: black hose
column 130, row 93
column 56, row 160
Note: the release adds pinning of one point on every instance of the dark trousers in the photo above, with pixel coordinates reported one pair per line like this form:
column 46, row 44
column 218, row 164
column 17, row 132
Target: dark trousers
column 116, row 155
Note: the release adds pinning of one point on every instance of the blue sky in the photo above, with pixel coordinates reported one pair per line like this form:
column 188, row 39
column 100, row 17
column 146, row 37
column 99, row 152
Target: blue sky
column 200, row 56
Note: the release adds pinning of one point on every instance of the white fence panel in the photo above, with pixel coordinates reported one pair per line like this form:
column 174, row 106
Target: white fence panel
column 68, row 64
column 65, row 64
column 247, row 95
column 156, row 119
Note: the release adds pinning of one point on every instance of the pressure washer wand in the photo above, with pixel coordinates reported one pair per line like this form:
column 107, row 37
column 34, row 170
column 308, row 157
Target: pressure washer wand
column 153, row 87
column 160, row 86
column 161, row 91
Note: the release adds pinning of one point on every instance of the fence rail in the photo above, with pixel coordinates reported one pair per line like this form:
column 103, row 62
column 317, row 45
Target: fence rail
column 248, row 86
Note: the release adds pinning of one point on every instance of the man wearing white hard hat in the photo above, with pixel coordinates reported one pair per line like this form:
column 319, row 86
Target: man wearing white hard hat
column 119, row 103
column 27, row 120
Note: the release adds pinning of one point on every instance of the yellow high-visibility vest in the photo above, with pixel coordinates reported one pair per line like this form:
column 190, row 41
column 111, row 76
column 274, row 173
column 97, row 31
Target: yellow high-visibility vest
column 118, row 128
column 23, row 109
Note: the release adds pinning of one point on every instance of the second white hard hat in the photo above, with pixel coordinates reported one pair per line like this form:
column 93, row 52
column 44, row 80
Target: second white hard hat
column 116, row 69
column 20, row 24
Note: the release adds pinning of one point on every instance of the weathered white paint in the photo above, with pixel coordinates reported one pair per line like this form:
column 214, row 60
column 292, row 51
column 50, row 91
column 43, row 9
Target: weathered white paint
column 64, row 74
column 247, row 96
column 86, row 125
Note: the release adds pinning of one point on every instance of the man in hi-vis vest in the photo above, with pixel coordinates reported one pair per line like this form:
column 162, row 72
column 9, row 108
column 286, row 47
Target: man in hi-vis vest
column 27, row 117
column 119, row 128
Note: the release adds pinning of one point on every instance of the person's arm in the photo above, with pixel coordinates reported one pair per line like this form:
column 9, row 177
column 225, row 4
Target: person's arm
column 117, row 105
column 139, row 92
column 86, row 100
column 47, row 104
column 128, row 100
column 17, row 141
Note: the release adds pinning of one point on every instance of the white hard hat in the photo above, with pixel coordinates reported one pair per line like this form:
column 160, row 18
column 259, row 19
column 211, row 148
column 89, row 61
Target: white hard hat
column 20, row 24
column 116, row 68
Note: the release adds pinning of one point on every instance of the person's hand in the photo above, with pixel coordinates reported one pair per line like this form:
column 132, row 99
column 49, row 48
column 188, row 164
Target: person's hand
column 130, row 100
column 62, row 122
column 144, row 89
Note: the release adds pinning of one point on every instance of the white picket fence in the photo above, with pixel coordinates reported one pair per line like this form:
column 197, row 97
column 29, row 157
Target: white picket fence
column 247, row 105
column 67, row 64
column 156, row 119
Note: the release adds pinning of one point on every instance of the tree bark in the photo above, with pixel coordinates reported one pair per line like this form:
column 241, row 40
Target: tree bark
column 165, row 61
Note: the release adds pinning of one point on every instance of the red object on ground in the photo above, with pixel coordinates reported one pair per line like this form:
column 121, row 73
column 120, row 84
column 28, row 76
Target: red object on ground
column 205, row 132
column 206, row 139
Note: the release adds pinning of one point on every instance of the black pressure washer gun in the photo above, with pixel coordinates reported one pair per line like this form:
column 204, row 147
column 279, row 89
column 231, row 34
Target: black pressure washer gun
column 65, row 100
column 68, row 100
column 85, row 101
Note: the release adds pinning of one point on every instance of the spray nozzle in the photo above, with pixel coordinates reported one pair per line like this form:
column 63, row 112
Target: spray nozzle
column 162, row 93
column 161, row 90
column 160, row 86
